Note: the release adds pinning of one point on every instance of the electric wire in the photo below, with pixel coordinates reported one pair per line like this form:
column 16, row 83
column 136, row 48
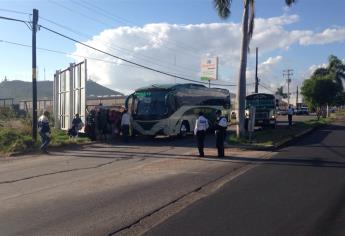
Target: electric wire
column 66, row 53
column 13, row 19
column 13, row 11
column 128, row 61
column 93, row 7
column 122, row 59
column 148, row 59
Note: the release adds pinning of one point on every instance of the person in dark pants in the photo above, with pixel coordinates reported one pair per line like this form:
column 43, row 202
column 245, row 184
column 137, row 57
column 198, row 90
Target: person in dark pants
column 201, row 125
column 220, row 131
column 91, row 125
column 44, row 130
column 125, row 123
column 290, row 113
column 77, row 124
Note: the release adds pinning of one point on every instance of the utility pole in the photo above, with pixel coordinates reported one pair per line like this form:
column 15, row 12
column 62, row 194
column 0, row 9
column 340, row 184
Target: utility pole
column 175, row 65
column 297, row 97
column 288, row 73
column 34, row 74
column 256, row 73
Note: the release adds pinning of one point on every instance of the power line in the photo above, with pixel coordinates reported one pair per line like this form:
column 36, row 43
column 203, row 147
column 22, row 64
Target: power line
column 265, row 86
column 82, row 14
column 125, row 60
column 13, row 19
column 148, row 59
column 66, row 53
column 106, row 13
column 86, row 57
column 91, row 7
column 13, row 11
column 100, row 12
column 117, row 57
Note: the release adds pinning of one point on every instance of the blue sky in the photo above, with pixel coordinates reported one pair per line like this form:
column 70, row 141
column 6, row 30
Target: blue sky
column 299, row 38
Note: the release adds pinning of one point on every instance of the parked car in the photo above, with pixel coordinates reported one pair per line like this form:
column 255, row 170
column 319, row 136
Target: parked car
column 302, row 111
column 282, row 112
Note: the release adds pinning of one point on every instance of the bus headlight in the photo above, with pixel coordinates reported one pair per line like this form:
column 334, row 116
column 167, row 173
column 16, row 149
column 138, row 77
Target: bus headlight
column 273, row 116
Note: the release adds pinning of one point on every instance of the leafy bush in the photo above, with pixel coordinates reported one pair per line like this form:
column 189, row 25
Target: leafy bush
column 14, row 141
column 15, row 136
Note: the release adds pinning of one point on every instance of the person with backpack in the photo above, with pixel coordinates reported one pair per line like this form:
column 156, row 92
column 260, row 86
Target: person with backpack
column 220, row 131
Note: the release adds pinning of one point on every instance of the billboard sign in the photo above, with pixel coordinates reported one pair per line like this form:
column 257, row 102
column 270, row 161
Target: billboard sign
column 70, row 94
column 209, row 68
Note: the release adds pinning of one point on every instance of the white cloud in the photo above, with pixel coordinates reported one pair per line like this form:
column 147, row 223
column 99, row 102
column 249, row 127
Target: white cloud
column 178, row 49
column 312, row 68
column 329, row 35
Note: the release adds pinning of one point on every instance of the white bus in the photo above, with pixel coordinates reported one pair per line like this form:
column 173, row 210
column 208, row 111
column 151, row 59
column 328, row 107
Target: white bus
column 172, row 109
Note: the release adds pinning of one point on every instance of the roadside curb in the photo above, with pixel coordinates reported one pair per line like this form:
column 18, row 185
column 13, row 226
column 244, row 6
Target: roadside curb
column 286, row 141
column 36, row 151
column 275, row 146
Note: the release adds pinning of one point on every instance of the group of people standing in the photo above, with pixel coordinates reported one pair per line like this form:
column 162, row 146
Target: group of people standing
column 104, row 124
column 202, row 124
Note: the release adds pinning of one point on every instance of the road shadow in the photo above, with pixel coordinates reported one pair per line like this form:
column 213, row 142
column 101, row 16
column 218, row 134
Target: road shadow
column 125, row 155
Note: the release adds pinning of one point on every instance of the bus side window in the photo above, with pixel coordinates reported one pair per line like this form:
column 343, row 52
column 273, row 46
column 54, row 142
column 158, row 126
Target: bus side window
column 171, row 103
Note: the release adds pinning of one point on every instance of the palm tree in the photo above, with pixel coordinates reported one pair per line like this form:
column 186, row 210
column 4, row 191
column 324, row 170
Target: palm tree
column 223, row 9
column 280, row 92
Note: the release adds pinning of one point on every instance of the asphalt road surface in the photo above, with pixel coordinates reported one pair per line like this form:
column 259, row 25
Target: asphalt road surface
column 301, row 191
column 102, row 188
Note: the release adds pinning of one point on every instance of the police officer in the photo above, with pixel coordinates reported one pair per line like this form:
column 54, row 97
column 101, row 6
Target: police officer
column 220, row 129
column 201, row 125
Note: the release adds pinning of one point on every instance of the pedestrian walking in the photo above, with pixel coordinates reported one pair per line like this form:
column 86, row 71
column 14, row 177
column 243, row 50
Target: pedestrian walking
column 44, row 130
column 220, row 131
column 201, row 125
column 290, row 113
column 125, row 123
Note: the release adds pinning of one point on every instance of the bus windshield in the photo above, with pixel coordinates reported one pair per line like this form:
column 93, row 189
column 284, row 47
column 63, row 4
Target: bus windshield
column 150, row 103
column 261, row 103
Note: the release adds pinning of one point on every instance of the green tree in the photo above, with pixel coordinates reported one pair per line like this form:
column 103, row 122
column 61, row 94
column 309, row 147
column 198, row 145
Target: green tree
column 319, row 91
column 336, row 68
column 223, row 9
column 317, row 95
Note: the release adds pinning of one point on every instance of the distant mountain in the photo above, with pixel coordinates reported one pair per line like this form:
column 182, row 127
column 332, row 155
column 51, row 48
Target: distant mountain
column 21, row 90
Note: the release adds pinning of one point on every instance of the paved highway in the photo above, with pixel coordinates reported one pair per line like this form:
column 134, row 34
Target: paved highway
column 102, row 188
column 300, row 191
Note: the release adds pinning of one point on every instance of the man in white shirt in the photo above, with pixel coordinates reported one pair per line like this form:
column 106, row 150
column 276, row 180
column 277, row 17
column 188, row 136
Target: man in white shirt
column 125, row 123
column 220, row 131
column 44, row 130
column 201, row 125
